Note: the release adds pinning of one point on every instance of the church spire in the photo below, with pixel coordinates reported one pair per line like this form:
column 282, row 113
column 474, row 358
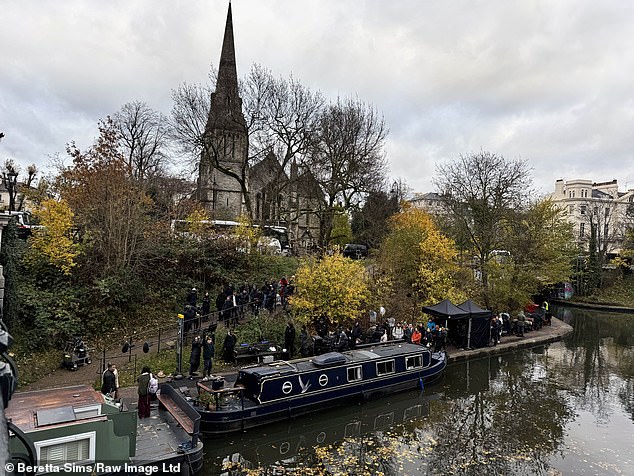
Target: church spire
column 227, row 75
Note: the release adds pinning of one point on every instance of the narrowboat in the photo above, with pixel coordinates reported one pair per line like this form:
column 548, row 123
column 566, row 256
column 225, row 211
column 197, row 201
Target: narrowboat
column 78, row 430
column 262, row 394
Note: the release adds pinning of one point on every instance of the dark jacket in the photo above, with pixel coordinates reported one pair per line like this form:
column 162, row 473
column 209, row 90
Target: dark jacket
column 144, row 381
column 109, row 382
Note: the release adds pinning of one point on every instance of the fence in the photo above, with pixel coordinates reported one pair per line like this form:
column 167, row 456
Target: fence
column 166, row 337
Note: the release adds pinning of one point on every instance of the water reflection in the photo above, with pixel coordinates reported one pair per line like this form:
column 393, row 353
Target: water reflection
column 562, row 409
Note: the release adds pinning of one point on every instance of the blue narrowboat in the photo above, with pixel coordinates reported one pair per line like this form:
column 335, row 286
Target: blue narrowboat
column 263, row 394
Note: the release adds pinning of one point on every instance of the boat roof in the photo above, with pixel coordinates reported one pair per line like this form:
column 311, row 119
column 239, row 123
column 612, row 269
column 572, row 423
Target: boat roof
column 32, row 410
column 357, row 356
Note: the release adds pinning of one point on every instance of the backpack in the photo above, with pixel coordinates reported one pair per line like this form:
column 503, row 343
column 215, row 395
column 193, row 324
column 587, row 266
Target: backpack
column 153, row 384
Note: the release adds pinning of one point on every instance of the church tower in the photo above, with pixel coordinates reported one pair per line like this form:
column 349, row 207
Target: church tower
column 223, row 161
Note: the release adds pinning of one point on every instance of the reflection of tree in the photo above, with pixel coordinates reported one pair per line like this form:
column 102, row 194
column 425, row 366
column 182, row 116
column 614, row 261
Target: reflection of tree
column 519, row 421
column 598, row 360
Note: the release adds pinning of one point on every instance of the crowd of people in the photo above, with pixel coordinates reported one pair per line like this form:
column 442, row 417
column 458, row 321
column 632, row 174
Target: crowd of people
column 233, row 302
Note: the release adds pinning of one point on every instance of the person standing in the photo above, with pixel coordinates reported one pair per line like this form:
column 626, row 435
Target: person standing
column 356, row 334
column 109, row 381
column 144, row 395
column 208, row 356
column 289, row 339
column 228, row 346
column 521, row 321
column 194, row 358
column 206, row 306
column 304, row 342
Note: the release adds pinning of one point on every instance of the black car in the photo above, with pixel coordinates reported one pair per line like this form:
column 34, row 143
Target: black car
column 355, row 251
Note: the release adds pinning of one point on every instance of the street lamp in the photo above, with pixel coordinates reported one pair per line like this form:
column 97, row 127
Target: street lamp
column 10, row 180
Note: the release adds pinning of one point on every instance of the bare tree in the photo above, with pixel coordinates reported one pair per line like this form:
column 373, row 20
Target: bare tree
column 347, row 156
column 482, row 192
column 607, row 219
column 143, row 138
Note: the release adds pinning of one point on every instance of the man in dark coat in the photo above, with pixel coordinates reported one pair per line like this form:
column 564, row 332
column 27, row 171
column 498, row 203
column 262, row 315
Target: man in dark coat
column 194, row 358
column 228, row 346
column 206, row 306
column 190, row 317
column 109, row 385
column 289, row 339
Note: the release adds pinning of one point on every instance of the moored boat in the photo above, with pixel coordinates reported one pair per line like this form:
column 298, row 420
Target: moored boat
column 78, row 430
column 263, row 394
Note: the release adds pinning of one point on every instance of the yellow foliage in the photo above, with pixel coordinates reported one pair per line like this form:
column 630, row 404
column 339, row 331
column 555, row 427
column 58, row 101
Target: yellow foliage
column 198, row 223
column 54, row 241
column 420, row 257
column 334, row 287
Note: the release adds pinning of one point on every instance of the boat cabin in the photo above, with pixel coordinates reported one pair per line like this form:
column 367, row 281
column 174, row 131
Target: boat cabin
column 343, row 372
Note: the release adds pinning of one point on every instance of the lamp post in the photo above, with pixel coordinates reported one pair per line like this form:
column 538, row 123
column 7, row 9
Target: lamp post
column 10, row 180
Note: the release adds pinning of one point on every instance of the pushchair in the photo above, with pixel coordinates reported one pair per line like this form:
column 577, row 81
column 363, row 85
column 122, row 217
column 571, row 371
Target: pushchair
column 75, row 354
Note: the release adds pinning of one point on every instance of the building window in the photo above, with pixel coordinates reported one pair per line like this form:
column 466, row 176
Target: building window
column 582, row 209
column 596, row 211
column 571, row 209
column 68, row 449
column 607, row 212
column 386, row 367
column 605, row 230
column 582, row 227
column 354, row 374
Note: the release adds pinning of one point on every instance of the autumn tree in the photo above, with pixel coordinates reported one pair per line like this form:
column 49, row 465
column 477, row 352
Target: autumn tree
column 54, row 242
column 110, row 208
column 482, row 192
column 143, row 135
column 420, row 261
column 334, row 287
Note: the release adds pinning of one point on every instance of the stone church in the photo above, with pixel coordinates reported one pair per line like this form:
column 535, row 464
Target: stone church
column 226, row 181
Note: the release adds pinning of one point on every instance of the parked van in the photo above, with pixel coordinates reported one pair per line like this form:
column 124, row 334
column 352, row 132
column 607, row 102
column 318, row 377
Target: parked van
column 355, row 251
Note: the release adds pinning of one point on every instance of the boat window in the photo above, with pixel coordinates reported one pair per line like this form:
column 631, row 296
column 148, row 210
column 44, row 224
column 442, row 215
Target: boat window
column 413, row 362
column 323, row 380
column 78, row 448
column 385, row 367
column 287, row 387
column 354, row 374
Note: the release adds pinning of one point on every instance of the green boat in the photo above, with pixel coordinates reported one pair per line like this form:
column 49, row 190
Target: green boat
column 78, row 430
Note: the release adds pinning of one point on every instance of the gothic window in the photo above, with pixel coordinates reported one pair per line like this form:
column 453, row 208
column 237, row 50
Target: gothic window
column 258, row 206
column 279, row 207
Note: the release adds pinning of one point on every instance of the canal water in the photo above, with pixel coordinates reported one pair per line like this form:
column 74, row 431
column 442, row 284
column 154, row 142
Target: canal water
column 562, row 409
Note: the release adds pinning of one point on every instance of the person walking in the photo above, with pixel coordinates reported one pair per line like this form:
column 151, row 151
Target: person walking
column 144, row 395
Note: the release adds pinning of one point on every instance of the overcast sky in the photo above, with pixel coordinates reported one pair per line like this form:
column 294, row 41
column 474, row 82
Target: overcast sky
column 547, row 81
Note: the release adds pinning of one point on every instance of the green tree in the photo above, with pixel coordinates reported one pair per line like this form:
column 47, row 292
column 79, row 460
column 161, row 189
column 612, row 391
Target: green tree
column 341, row 230
column 482, row 191
column 539, row 251
column 369, row 224
column 333, row 287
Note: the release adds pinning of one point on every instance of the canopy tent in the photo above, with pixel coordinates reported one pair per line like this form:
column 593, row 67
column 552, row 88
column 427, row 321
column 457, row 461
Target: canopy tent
column 446, row 309
column 479, row 333
column 468, row 323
